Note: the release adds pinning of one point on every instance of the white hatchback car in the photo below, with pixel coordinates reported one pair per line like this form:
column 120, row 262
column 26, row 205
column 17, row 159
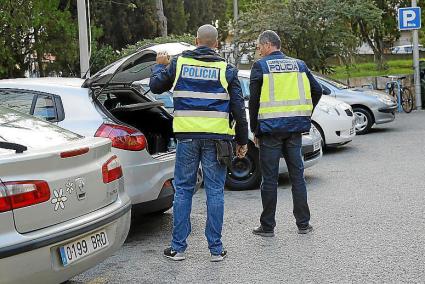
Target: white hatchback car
column 106, row 105
column 63, row 208
column 333, row 119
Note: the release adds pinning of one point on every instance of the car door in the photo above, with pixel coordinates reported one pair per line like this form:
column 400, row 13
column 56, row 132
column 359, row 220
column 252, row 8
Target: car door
column 42, row 105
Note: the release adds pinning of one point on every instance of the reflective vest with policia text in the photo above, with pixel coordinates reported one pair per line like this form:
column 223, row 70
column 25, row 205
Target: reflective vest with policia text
column 285, row 101
column 201, row 100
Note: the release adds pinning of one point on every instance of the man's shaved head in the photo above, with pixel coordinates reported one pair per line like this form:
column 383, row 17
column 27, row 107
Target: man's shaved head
column 207, row 35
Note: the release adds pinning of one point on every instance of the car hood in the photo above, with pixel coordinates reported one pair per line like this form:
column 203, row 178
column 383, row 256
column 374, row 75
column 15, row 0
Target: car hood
column 370, row 93
column 332, row 102
column 134, row 67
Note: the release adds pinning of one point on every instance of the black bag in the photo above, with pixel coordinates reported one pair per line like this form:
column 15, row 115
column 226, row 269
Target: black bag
column 224, row 152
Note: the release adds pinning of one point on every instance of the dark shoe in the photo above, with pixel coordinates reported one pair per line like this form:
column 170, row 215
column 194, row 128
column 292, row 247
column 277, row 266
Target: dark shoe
column 219, row 257
column 169, row 253
column 305, row 230
column 259, row 231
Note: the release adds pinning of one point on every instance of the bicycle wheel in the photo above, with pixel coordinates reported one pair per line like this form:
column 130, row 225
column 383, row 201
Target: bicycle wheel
column 407, row 100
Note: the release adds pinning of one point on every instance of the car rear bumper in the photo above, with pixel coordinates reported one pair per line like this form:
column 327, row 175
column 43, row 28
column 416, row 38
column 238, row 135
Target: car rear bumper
column 145, row 175
column 37, row 260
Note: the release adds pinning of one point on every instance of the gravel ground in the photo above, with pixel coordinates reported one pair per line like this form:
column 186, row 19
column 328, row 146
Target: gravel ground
column 367, row 207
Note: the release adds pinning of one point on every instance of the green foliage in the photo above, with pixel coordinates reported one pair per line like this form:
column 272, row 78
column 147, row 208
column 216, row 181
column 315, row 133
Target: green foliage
column 187, row 38
column 31, row 32
column 204, row 12
column 369, row 69
column 176, row 16
column 124, row 23
column 310, row 30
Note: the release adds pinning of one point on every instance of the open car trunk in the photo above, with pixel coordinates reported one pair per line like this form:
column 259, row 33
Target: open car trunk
column 149, row 117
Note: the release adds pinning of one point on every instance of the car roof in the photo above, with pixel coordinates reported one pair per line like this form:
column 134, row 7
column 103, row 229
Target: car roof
column 56, row 85
column 68, row 82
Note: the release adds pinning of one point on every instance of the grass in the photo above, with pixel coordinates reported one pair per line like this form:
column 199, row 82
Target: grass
column 369, row 69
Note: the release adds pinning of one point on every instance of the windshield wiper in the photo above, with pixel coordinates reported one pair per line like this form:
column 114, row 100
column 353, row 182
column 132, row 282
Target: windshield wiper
column 19, row 149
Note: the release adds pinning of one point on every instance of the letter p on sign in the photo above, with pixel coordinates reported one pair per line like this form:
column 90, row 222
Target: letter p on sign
column 409, row 18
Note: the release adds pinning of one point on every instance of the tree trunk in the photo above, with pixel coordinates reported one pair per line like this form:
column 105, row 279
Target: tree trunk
column 162, row 20
column 39, row 55
column 376, row 44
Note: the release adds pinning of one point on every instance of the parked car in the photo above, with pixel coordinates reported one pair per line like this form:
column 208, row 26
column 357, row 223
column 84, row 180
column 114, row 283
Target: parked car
column 370, row 106
column 105, row 105
column 405, row 49
column 333, row 119
column 245, row 173
column 63, row 207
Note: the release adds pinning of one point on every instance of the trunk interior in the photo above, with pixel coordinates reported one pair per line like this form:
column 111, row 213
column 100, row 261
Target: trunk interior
column 147, row 116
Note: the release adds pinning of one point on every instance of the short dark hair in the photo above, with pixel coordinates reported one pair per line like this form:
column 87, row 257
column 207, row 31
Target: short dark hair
column 270, row 36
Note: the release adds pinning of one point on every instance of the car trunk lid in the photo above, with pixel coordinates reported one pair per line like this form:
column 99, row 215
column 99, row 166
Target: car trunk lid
column 75, row 180
column 134, row 67
column 60, row 170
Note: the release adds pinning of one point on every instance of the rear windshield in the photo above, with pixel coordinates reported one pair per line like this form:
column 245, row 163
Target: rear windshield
column 20, row 128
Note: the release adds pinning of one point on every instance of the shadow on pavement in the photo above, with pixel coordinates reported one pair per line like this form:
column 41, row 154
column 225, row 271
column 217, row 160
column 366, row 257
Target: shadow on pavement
column 147, row 226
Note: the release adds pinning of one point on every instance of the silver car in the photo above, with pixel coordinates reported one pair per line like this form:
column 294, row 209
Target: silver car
column 63, row 208
column 370, row 106
column 106, row 105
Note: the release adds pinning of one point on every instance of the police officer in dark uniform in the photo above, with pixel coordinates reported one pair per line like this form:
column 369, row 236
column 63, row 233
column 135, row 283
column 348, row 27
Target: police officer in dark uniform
column 207, row 97
column 283, row 94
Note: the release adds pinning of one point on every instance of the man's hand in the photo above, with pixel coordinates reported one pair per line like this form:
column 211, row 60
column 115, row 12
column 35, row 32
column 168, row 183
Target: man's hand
column 257, row 142
column 241, row 151
column 163, row 58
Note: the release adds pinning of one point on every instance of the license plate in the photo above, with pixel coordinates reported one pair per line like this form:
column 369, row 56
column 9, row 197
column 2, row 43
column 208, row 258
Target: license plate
column 316, row 146
column 83, row 247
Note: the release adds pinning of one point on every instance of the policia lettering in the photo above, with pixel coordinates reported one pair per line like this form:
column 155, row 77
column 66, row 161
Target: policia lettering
column 199, row 84
column 198, row 72
column 285, row 94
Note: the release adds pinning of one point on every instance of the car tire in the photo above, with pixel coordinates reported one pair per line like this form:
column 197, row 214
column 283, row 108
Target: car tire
column 245, row 173
column 364, row 120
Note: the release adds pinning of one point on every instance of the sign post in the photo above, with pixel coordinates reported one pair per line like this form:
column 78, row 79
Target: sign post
column 410, row 19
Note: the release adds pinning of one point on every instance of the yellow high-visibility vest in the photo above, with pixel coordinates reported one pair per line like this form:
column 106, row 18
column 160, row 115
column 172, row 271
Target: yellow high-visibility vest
column 201, row 100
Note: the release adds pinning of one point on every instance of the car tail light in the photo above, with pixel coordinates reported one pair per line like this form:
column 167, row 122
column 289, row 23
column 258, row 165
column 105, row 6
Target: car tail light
column 73, row 153
column 18, row 194
column 123, row 137
column 111, row 170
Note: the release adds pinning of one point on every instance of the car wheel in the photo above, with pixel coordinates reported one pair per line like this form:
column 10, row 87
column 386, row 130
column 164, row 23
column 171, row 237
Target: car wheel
column 245, row 173
column 364, row 120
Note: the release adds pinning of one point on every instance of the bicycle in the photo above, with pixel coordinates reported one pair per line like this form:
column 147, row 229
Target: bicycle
column 405, row 99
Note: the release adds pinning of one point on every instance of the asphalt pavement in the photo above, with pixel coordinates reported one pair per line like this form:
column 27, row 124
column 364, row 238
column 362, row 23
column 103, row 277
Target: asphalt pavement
column 367, row 202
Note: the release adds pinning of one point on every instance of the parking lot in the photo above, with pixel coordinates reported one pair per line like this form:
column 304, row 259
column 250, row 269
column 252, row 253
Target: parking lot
column 366, row 200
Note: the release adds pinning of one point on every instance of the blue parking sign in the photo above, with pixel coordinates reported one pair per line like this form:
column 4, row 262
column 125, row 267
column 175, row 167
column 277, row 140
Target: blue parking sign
column 409, row 18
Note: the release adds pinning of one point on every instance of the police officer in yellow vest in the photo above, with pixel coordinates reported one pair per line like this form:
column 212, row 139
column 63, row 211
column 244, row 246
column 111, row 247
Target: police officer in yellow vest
column 283, row 93
column 207, row 98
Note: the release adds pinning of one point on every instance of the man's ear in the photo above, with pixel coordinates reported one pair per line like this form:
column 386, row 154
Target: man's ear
column 216, row 44
column 196, row 41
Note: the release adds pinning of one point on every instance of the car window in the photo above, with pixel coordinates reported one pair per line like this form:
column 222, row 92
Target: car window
column 326, row 90
column 17, row 100
column 45, row 108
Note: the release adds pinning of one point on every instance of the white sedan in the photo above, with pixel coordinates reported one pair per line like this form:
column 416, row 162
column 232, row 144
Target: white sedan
column 333, row 119
column 63, row 208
